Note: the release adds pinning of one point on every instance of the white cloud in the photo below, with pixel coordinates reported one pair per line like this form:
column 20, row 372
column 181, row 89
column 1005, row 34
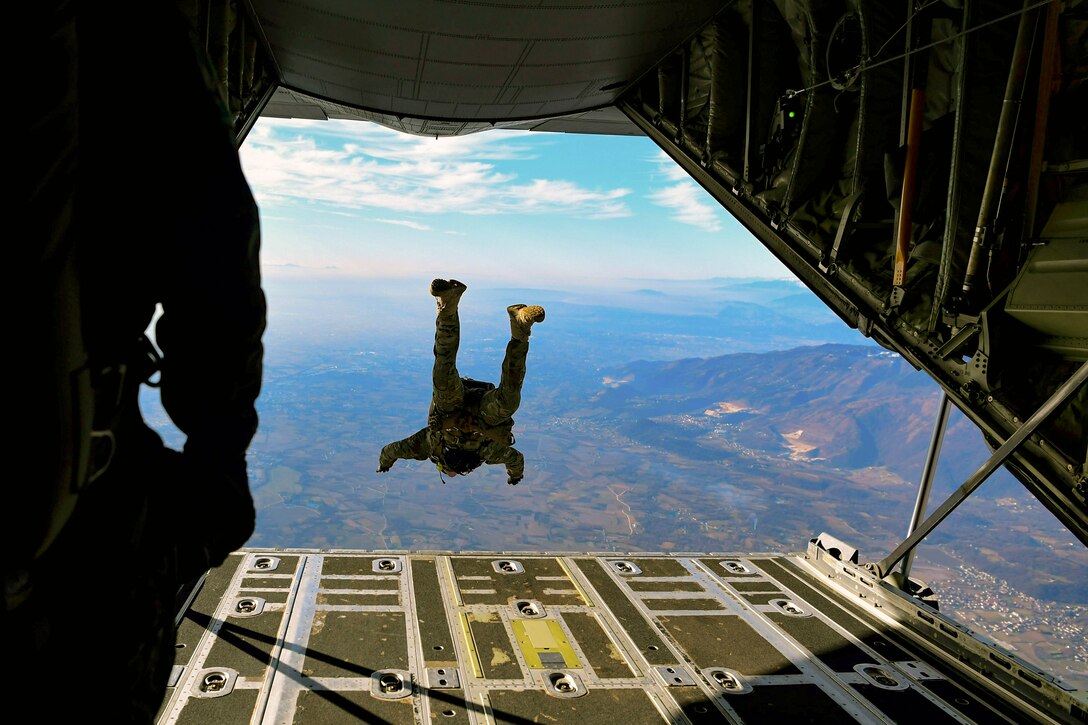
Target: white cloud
column 686, row 199
column 355, row 164
column 542, row 195
column 686, row 206
column 404, row 223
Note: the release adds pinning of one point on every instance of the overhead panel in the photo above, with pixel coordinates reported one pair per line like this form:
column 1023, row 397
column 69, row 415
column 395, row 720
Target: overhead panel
column 456, row 61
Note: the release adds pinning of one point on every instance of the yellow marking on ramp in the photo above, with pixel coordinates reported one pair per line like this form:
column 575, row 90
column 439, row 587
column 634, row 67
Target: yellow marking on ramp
column 570, row 575
column 543, row 636
column 470, row 646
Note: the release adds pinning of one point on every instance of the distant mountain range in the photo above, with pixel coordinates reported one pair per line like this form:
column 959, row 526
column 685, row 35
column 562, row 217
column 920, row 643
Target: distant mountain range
column 846, row 405
column 833, row 438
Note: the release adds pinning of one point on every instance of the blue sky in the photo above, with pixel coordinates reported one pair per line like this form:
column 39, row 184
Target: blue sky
column 356, row 199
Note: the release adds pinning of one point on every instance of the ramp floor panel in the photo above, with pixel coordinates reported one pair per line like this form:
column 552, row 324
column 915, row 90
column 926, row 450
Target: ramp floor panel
column 401, row 637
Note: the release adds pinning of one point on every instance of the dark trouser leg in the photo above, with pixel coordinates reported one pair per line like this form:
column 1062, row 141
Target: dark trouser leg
column 449, row 393
column 114, row 544
column 499, row 404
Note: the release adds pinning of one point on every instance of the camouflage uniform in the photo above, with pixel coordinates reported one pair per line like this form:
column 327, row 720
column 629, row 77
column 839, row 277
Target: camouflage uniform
column 466, row 414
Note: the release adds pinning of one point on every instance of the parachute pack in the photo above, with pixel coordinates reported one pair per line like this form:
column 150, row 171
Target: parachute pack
column 465, row 420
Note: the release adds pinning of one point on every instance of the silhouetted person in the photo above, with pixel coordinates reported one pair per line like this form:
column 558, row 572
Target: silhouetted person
column 470, row 422
column 134, row 198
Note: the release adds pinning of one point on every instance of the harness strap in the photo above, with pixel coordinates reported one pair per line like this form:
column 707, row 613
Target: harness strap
column 116, row 385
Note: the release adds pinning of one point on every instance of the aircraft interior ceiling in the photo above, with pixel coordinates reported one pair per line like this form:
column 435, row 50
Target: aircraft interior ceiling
column 920, row 166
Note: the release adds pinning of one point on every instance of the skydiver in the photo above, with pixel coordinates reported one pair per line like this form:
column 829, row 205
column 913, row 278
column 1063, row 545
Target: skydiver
column 469, row 422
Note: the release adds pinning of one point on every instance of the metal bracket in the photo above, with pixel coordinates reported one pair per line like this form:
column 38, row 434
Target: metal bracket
column 443, row 678
column 882, row 568
column 675, row 676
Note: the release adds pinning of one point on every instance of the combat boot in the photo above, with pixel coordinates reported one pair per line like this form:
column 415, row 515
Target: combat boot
column 447, row 292
column 522, row 319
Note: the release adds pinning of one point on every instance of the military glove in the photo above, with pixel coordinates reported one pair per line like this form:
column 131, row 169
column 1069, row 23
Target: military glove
column 514, row 481
column 382, row 469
